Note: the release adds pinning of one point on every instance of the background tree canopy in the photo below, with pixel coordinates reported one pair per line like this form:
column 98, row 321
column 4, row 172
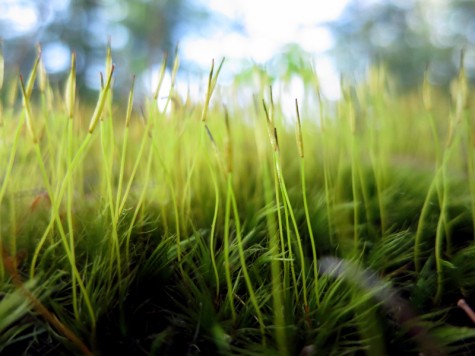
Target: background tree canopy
column 405, row 36
column 140, row 32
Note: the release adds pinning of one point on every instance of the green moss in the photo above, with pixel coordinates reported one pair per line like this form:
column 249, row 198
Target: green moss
column 187, row 231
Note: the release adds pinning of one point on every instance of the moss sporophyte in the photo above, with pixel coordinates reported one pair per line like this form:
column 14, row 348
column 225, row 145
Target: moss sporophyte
column 337, row 228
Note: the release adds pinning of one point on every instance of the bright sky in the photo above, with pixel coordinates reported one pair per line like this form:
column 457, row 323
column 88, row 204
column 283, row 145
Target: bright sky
column 268, row 25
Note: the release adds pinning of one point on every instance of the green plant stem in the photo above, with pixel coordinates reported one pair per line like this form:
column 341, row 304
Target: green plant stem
column 298, row 240
column 212, row 242
column 226, row 245
column 310, row 231
column 250, row 288
column 69, row 216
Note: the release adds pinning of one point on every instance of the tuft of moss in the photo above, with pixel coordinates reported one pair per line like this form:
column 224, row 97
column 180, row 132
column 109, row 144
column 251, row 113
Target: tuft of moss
column 175, row 231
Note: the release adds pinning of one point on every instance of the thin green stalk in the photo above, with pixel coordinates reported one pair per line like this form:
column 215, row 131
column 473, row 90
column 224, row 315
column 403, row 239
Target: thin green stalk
column 107, row 150
column 287, row 206
column 305, row 204
column 247, row 279
column 422, row 220
column 380, row 184
column 56, row 199
column 138, row 205
column 277, row 260
column 26, row 94
column 326, row 166
column 134, row 170
column 115, row 264
column 212, row 242
column 354, row 180
column 12, row 241
column 130, row 104
column 276, row 248
column 438, row 185
column 176, row 213
column 439, row 240
column 11, row 160
column 70, row 97
column 328, row 189
column 212, row 80
column 287, row 261
column 176, row 64
column 299, row 242
column 55, row 211
column 69, row 217
column 288, row 230
column 228, row 169
column 442, row 223
column 226, row 244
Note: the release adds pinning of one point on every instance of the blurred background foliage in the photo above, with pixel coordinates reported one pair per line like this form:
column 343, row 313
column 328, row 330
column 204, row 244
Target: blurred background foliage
column 140, row 33
column 406, row 36
column 403, row 35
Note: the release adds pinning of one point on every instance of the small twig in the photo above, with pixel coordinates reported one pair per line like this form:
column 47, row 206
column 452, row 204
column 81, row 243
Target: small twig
column 10, row 264
column 466, row 308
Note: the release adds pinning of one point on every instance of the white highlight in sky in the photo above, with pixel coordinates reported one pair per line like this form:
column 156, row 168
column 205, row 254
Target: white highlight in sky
column 56, row 57
column 21, row 17
column 268, row 25
column 264, row 16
